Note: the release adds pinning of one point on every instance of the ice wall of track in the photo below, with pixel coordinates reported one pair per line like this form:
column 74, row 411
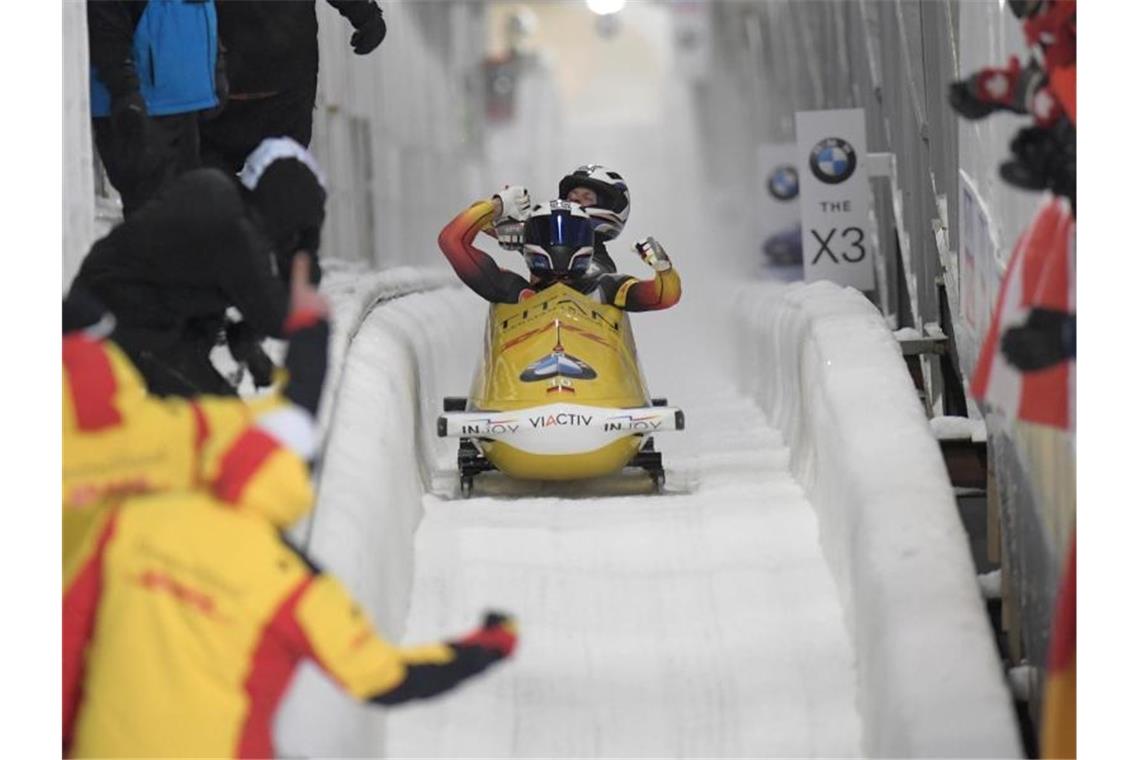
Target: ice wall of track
column 401, row 341
column 822, row 363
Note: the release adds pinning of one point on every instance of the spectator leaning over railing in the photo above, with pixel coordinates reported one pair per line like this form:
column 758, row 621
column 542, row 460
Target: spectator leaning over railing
column 155, row 68
column 271, row 63
column 206, row 243
column 119, row 441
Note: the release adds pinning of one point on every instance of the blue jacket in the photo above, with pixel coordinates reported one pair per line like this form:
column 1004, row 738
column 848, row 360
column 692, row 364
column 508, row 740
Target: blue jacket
column 174, row 48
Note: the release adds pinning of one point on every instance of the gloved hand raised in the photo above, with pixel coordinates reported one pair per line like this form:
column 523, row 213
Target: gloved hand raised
column 653, row 254
column 371, row 32
column 512, row 202
column 307, row 305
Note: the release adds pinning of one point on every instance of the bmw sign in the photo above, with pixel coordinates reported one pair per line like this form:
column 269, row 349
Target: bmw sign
column 784, row 183
column 835, row 198
column 832, row 160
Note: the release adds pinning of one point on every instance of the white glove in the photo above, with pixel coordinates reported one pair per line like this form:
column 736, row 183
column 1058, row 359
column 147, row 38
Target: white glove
column 653, row 254
column 516, row 203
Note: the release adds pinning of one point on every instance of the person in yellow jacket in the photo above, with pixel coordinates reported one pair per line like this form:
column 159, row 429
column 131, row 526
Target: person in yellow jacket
column 185, row 611
column 184, row 619
column 118, row 440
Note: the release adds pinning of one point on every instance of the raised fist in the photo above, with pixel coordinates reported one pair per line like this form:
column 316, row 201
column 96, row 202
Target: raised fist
column 653, row 254
column 514, row 203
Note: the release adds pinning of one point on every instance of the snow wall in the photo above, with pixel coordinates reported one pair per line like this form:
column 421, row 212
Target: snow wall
column 398, row 336
column 821, row 362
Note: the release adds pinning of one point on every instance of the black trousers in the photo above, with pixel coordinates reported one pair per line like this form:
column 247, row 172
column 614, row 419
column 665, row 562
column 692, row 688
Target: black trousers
column 244, row 122
column 139, row 169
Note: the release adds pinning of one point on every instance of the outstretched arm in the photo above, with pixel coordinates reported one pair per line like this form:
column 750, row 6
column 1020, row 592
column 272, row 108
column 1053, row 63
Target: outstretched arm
column 330, row 627
column 632, row 294
column 477, row 269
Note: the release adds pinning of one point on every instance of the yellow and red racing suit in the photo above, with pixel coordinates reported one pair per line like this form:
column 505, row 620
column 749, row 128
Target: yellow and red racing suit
column 480, row 272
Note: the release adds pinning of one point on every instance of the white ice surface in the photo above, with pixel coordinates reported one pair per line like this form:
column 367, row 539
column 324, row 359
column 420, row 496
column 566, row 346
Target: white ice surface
column 701, row 622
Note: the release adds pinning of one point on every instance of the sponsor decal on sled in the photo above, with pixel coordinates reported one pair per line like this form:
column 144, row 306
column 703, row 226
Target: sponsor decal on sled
column 557, row 363
column 545, row 308
column 562, row 419
column 489, row 426
column 628, row 422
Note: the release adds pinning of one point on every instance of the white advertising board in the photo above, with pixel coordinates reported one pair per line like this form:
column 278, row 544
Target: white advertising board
column 835, row 197
column 779, row 205
column 978, row 272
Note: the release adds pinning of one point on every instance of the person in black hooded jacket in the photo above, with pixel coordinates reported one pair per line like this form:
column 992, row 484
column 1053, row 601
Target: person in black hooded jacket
column 205, row 243
column 271, row 65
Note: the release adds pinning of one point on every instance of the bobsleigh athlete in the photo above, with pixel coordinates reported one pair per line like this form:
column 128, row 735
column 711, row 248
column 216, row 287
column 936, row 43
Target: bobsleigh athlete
column 558, row 246
column 602, row 193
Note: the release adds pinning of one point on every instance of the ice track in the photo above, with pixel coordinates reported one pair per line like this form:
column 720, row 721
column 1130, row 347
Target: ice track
column 703, row 621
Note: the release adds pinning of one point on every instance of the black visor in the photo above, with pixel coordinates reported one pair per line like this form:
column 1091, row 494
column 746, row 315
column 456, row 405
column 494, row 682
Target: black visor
column 559, row 229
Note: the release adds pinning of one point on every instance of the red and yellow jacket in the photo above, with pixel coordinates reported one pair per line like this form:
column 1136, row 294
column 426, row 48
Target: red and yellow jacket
column 117, row 440
column 480, row 272
column 184, row 619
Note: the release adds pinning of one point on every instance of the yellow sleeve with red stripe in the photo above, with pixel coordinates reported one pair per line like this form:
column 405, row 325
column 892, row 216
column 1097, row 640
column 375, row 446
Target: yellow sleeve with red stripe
column 116, row 439
column 663, row 291
column 256, row 472
column 346, row 645
column 119, row 440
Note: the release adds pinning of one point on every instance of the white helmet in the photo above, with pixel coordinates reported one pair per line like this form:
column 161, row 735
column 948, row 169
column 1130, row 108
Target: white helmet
column 612, row 210
column 558, row 241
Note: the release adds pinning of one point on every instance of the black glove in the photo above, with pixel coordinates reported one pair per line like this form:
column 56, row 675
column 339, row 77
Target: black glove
column 371, row 32
column 1048, row 337
column 1044, row 158
column 493, row 641
column 245, row 347
column 129, row 117
column 996, row 89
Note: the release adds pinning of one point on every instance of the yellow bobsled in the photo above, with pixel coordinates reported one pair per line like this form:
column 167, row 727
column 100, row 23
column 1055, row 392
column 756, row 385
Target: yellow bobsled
column 559, row 395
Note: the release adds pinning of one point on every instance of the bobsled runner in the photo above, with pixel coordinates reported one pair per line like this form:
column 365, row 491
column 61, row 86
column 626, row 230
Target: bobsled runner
column 559, row 395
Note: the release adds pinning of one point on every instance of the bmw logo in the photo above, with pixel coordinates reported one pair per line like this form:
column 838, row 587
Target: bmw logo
column 832, row 160
column 784, row 183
